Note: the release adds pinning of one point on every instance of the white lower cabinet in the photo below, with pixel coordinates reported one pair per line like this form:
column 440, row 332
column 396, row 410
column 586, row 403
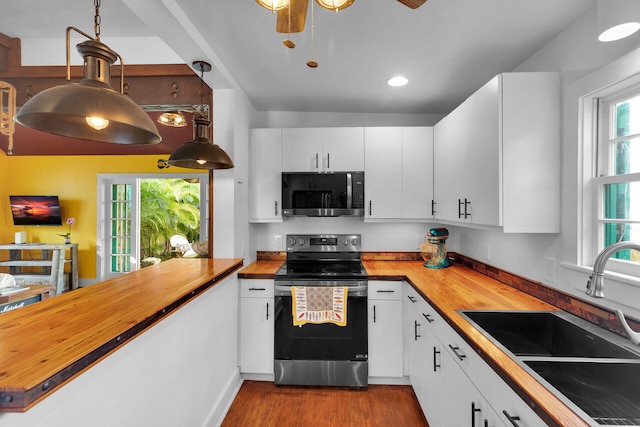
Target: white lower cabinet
column 385, row 329
column 454, row 386
column 256, row 326
column 424, row 355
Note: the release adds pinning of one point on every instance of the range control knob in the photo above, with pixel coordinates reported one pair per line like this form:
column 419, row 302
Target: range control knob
column 292, row 242
column 354, row 241
column 301, row 242
column 346, row 241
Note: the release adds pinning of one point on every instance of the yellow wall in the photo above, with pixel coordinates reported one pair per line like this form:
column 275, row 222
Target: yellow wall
column 74, row 180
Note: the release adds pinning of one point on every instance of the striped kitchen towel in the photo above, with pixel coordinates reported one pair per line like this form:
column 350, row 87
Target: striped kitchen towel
column 319, row 304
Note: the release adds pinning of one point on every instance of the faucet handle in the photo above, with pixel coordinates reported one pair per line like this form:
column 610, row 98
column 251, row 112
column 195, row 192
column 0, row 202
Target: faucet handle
column 633, row 335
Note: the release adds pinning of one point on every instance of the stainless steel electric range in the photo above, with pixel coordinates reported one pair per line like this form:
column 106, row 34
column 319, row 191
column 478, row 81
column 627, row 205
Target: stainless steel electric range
column 321, row 353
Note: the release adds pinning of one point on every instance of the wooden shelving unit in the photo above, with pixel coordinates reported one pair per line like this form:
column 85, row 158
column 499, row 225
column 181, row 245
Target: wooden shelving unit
column 23, row 260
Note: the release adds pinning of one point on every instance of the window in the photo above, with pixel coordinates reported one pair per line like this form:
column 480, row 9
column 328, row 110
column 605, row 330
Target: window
column 617, row 176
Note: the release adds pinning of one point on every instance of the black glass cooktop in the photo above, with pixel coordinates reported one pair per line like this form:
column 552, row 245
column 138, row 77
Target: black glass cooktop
column 319, row 270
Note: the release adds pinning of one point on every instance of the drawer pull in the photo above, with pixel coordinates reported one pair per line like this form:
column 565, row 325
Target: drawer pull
column 257, row 289
column 412, row 299
column 456, row 351
column 428, row 318
column 473, row 413
column 512, row 419
column 386, row 291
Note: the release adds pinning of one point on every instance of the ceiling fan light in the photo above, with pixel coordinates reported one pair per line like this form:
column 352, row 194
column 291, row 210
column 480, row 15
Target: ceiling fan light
column 617, row 19
column 273, row 5
column 335, row 4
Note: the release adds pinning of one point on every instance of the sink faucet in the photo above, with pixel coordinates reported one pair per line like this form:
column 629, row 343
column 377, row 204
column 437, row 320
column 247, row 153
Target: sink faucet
column 595, row 285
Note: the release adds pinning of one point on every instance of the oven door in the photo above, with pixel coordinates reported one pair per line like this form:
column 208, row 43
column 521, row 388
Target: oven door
column 321, row 341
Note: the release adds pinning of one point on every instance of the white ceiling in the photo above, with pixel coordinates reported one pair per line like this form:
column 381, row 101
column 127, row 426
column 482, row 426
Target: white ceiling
column 447, row 48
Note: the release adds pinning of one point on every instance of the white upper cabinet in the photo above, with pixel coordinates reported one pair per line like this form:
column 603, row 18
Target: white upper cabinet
column 266, row 175
column 496, row 156
column 398, row 173
column 323, row 149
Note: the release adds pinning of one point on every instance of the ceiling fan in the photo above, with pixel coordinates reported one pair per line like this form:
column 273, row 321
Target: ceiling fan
column 294, row 22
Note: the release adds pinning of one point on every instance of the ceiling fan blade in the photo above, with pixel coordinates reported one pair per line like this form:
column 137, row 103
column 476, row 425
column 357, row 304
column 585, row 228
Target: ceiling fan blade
column 298, row 17
column 413, row 4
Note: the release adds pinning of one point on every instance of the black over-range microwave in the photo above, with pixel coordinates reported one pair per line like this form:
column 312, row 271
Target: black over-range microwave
column 323, row 194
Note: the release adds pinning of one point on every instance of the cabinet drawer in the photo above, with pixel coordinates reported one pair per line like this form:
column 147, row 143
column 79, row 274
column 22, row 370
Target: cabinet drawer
column 385, row 290
column 256, row 288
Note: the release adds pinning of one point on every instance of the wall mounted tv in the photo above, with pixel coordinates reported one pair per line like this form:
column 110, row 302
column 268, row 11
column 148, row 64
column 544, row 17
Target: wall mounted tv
column 35, row 210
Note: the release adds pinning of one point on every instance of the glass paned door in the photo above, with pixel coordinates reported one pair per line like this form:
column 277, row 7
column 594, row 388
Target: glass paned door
column 122, row 237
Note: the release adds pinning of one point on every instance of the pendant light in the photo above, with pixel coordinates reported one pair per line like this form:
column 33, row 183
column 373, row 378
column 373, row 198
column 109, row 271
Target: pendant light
column 174, row 119
column 200, row 153
column 91, row 109
column 335, row 5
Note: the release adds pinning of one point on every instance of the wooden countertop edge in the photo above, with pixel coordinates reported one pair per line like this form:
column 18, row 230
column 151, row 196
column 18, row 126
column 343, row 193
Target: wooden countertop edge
column 546, row 405
column 20, row 400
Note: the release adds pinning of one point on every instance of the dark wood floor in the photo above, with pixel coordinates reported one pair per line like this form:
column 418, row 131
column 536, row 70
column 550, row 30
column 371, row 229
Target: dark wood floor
column 261, row 403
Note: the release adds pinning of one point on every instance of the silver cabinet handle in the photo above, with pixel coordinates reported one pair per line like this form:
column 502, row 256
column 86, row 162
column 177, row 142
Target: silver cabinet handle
column 276, row 207
column 267, row 311
column 328, row 164
column 317, row 166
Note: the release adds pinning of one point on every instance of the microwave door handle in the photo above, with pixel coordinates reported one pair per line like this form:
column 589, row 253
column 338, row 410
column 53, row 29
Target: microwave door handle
column 349, row 192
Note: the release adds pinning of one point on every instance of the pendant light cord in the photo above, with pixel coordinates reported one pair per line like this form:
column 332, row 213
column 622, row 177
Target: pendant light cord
column 97, row 20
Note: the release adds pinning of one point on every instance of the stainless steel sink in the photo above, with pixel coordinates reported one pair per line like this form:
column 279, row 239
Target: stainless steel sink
column 607, row 392
column 592, row 370
column 548, row 334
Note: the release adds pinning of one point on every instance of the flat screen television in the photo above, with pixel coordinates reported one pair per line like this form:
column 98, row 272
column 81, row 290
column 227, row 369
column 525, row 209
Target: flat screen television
column 35, row 210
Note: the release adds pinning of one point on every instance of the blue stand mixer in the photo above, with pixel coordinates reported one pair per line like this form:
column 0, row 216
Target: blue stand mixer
column 437, row 248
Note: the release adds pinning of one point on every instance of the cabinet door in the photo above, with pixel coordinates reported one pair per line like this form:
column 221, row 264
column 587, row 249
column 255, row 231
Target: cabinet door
column 382, row 166
column 483, row 176
column 417, row 172
column 302, row 149
column 448, row 167
column 256, row 326
column 266, row 175
column 323, row 149
column 464, row 406
column 385, row 338
column 343, row 149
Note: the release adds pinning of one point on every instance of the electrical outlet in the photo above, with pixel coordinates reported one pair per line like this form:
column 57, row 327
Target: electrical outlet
column 486, row 252
column 550, row 270
column 277, row 240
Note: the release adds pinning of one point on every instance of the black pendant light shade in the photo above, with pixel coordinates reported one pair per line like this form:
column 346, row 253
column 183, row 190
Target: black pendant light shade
column 91, row 109
column 200, row 153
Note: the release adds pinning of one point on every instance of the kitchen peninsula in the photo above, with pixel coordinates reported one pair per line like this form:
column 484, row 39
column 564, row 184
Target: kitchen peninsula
column 172, row 317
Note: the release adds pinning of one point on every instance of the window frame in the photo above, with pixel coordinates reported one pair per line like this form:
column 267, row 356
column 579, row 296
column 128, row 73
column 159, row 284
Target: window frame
column 597, row 109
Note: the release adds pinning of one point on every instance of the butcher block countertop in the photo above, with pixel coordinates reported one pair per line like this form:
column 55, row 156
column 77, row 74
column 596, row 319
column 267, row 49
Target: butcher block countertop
column 45, row 345
column 462, row 288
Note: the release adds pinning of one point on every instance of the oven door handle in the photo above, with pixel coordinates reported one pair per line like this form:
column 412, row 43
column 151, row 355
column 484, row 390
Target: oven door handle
column 359, row 290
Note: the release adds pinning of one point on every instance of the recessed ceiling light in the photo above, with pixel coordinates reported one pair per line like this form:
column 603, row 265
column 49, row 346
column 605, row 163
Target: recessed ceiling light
column 397, row 81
